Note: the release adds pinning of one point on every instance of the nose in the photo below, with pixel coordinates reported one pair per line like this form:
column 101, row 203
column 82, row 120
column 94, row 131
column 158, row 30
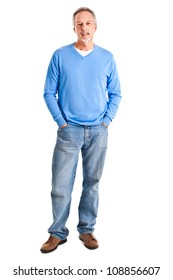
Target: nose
column 84, row 26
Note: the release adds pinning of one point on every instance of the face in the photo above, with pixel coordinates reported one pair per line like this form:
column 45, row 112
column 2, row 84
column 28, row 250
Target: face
column 85, row 26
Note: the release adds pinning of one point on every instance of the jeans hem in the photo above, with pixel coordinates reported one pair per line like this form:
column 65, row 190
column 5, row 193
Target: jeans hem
column 54, row 235
column 86, row 232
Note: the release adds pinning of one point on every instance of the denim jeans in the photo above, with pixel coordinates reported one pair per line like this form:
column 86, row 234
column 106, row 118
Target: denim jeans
column 92, row 142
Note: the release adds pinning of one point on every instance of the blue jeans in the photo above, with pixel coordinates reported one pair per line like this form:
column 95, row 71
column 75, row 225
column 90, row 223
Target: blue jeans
column 92, row 142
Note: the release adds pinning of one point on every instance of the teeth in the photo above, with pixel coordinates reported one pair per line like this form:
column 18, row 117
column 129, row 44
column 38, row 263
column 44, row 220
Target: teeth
column 85, row 33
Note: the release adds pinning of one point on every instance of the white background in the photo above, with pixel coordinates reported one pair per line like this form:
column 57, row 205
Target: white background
column 134, row 226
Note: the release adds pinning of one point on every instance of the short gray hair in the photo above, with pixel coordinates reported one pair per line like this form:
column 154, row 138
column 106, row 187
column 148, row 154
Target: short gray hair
column 84, row 9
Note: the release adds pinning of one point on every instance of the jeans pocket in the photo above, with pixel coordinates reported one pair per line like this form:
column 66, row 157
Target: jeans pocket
column 104, row 125
column 63, row 128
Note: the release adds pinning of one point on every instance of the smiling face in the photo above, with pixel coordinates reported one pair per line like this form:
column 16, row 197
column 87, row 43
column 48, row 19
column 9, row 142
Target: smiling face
column 84, row 27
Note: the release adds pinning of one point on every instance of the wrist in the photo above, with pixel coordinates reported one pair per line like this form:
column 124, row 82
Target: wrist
column 104, row 124
column 64, row 125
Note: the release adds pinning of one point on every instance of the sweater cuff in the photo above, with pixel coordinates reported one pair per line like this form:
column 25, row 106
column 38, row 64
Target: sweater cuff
column 106, row 120
column 60, row 121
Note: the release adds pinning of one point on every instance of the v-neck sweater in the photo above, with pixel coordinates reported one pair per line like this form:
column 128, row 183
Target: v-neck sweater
column 82, row 90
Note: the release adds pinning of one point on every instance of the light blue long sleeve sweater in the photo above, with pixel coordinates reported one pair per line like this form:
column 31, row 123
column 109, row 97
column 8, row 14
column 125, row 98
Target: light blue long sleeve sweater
column 82, row 90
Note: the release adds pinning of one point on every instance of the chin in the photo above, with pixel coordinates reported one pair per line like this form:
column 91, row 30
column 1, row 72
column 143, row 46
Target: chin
column 86, row 40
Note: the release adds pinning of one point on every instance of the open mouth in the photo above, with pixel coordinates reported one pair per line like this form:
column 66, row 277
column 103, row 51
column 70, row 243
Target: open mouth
column 84, row 33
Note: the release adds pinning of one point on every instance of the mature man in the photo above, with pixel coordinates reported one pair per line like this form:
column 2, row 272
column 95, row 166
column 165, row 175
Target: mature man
column 82, row 92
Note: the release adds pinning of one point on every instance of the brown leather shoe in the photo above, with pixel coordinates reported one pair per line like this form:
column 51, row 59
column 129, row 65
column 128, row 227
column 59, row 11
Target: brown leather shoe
column 51, row 244
column 89, row 240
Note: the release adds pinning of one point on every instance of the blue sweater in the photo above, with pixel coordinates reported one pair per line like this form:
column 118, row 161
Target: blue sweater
column 82, row 90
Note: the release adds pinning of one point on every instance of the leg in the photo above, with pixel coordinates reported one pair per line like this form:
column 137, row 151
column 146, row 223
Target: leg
column 64, row 166
column 93, row 153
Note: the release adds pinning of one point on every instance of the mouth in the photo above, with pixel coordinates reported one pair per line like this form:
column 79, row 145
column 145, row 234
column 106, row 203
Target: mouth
column 84, row 33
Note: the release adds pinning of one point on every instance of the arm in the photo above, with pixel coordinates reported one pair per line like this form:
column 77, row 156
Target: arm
column 50, row 92
column 114, row 94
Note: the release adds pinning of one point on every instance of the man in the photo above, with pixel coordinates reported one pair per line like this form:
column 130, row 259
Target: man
column 82, row 92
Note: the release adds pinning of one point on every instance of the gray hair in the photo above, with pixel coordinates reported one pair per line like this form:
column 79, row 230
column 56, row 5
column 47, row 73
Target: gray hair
column 84, row 9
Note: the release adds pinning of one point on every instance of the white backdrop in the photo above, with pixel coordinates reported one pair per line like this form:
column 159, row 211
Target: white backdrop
column 134, row 226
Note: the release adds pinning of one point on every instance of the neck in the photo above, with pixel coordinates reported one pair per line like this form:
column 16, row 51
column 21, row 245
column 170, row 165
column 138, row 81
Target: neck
column 84, row 46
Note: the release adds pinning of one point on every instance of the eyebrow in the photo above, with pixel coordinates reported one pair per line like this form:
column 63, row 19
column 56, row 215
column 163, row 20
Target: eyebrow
column 79, row 21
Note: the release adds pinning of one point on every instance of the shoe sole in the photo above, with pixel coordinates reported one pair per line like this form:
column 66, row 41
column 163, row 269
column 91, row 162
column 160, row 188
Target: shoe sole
column 90, row 248
column 60, row 243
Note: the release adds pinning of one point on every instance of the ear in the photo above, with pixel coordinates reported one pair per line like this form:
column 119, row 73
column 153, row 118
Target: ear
column 74, row 29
